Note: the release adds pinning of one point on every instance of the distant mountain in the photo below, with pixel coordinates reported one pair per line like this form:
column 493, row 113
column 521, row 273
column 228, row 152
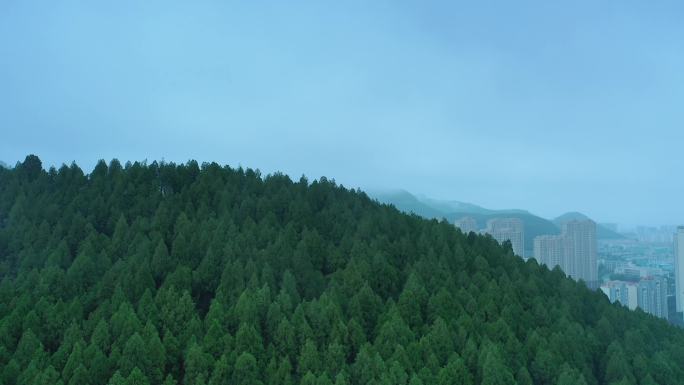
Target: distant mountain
column 407, row 202
column 3, row 164
column 463, row 207
column 434, row 208
column 602, row 232
column 570, row 216
column 454, row 210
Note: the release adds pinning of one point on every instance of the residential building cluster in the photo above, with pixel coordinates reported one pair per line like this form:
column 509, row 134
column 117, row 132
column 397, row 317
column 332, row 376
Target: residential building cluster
column 640, row 274
column 651, row 234
column 629, row 257
column 648, row 294
column 636, row 272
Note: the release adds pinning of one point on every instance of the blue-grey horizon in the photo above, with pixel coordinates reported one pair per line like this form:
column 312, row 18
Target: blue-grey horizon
column 545, row 106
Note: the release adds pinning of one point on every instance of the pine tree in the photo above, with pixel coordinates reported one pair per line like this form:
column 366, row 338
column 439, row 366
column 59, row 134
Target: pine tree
column 221, row 371
column 246, row 370
column 80, row 376
column 134, row 355
column 494, row 370
column 156, row 354
column 309, row 359
column 137, row 378
column 197, row 364
column 412, row 301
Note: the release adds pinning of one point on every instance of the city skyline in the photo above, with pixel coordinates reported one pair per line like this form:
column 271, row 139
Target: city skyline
column 649, row 294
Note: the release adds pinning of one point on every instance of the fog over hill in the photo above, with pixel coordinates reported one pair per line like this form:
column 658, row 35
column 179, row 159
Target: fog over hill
column 453, row 210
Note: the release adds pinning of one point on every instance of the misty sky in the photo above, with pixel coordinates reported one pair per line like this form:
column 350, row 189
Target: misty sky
column 506, row 104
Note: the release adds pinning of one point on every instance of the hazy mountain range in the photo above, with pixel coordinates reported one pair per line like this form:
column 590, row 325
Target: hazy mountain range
column 453, row 210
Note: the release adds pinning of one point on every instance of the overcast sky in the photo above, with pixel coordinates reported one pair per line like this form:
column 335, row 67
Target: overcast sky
column 508, row 104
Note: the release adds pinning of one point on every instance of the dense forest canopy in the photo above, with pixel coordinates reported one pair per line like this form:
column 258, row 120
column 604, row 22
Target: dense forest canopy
column 201, row 274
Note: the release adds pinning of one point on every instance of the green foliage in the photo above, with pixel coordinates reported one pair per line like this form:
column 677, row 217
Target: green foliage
column 246, row 370
column 165, row 274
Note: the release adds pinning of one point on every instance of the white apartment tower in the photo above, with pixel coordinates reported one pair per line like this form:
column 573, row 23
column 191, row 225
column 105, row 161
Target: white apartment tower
column 579, row 257
column 508, row 229
column 652, row 296
column 467, row 225
column 548, row 250
column 679, row 268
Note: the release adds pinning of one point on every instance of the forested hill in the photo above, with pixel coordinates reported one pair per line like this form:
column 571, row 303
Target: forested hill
column 205, row 275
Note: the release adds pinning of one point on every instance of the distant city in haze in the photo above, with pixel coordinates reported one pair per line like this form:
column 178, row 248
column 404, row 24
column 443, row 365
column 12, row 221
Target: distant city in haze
column 640, row 267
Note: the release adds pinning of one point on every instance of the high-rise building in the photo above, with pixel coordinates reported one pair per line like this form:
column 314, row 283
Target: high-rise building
column 652, row 296
column 579, row 255
column 679, row 268
column 623, row 292
column 467, row 225
column 649, row 294
column 508, row 229
column 548, row 250
column 632, row 301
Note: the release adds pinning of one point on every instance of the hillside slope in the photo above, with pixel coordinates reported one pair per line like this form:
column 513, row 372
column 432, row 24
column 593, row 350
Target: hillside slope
column 189, row 274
